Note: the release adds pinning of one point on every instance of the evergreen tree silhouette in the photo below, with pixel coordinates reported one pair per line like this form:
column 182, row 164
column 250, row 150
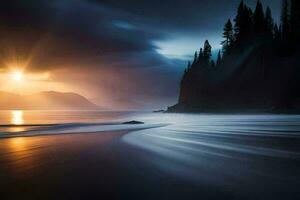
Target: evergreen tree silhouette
column 206, row 52
column 268, row 71
column 243, row 22
column 195, row 58
column 295, row 20
column 285, row 25
column 249, row 19
column 269, row 23
column 259, row 19
column 228, row 35
column 239, row 22
column 200, row 59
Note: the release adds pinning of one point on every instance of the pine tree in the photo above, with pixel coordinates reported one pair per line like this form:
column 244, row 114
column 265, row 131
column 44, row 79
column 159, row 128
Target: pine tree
column 195, row 59
column 219, row 59
column 269, row 23
column 259, row 19
column 243, row 22
column 295, row 20
column 206, row 52
column 238, row 21
column 228, row 35
column 249, row 19
column 200, row 59
column 285, row 25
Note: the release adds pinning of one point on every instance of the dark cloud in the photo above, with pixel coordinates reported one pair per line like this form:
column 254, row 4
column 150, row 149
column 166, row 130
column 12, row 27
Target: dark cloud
column 69, row 29
column 177, row 14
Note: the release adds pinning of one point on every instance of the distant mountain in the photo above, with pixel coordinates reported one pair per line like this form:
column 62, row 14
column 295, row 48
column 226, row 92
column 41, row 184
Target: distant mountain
column 49, row 100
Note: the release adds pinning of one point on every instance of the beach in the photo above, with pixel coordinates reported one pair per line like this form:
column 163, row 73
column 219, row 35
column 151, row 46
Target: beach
column 58, row 167
column 212, row 157
column 93, row 166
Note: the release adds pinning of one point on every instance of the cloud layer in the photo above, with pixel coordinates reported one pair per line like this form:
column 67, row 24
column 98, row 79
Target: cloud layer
column 122, row 54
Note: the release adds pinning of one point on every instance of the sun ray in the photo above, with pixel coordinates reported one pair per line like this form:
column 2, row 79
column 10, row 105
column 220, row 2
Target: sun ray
column 17, row 75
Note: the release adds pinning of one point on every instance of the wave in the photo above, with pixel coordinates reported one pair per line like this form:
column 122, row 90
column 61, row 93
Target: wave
column 68, row 128
column 240, row 143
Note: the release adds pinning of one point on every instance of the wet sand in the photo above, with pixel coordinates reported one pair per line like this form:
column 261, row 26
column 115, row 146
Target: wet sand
column 60, row 166
column 103, row 166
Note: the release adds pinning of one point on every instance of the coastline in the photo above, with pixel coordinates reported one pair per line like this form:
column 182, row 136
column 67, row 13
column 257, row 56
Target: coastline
column 79, row 128
column 186, row 109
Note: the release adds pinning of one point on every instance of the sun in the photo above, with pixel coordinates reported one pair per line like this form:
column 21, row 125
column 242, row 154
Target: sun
column 17, row 75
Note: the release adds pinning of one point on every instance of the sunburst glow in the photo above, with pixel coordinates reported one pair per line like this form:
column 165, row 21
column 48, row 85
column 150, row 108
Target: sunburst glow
column 17, row 75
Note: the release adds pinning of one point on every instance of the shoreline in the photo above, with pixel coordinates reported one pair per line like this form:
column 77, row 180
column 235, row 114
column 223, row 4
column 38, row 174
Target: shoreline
column 79, row 129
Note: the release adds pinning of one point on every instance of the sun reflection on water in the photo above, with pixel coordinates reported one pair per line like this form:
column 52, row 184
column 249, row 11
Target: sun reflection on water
column 17, row 144
column 21, row 156
column 17, row 117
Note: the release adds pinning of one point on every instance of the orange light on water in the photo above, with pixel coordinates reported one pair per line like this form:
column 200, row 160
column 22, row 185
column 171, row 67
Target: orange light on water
column 17, row 117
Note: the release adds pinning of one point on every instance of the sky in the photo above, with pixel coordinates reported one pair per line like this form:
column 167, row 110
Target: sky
column 127, row 54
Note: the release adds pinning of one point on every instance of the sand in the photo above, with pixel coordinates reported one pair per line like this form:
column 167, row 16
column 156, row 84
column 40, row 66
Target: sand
column 102, row 166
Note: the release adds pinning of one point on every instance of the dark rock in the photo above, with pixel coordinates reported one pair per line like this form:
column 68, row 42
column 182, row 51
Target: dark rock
column 133, row 122
column 158, row 111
